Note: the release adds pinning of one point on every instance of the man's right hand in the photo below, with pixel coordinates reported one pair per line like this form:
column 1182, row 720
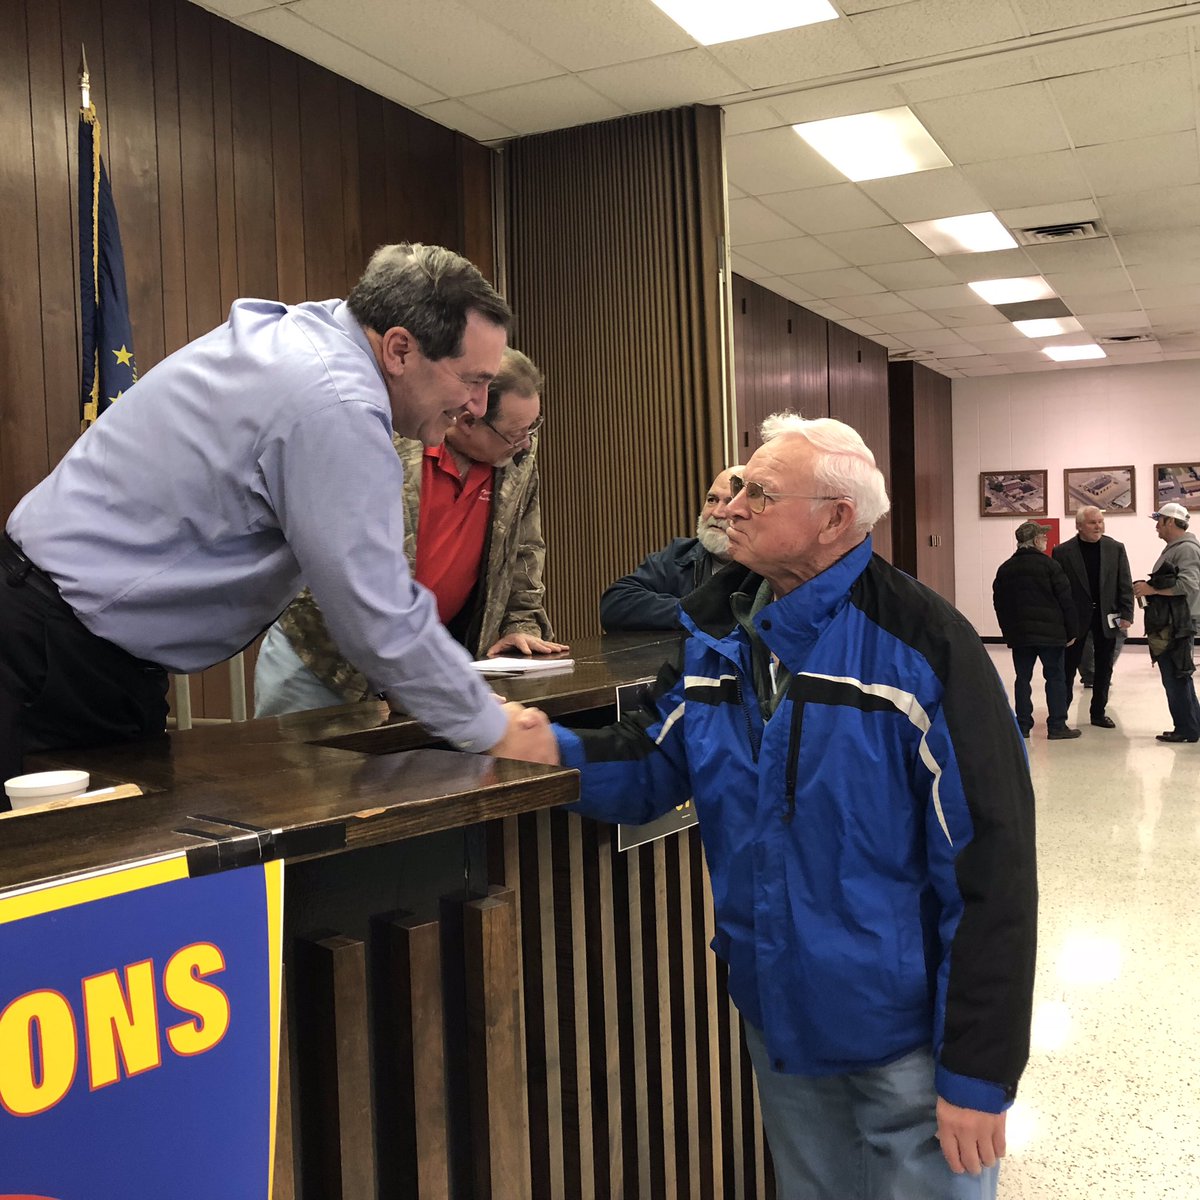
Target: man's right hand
column 528, row 737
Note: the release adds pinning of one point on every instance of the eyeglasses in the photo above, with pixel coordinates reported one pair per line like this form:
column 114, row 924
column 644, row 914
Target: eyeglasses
column 524, row 436
column 757, row 496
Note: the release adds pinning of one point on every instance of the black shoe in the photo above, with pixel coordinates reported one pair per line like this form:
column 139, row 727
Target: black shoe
column 1064, row 734
column 1104, row 722
column 1087, row 683
column 1172, row 736
column 1025, row 734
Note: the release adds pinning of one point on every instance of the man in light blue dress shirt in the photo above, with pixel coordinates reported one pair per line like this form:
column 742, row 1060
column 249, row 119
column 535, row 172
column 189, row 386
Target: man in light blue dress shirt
column 252, row 461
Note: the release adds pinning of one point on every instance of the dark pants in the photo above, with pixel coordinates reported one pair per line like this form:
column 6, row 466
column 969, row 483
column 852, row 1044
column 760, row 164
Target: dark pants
column 60, row 684
column 1102, row 672
column 1181, row 699
column 1056, row 685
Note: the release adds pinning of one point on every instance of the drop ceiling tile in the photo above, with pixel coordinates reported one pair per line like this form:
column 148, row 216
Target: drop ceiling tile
column 1175, row 319
column 954, row 296
column 958, row 361
column 284, row 27
column 1113, row 48
column 1041, row 16
column 536, row 107
column 1115, row 322
column 1089, row 254
column 863, row 327
column 837, row 283
column 1068, row 213
column 874, row 305
column 235, row 8
column 850, row 7
column 1164, row 208
column 830, row 311
column 733, row 192
column 996, row 264
column 1030, row 180
column 793, row 256
column 972, row 315
column 891, row 342
column 1169, row 297
column 925, row 195
column 979, row 372
column 1075, row 283
column 776, row 160
column 1168, row 246
column 789, row 291
column 750, row 222
column 923, row 273
column 685, row 77
column 455, row 114
column 1004, row 123
column 828, row 209
column 1136, row 100
column 1084, row 303
column 936, row 83
column 746, row 268
column 838, row 100
column 905, row 323
column 450, row 48
column 750, row 116
column 1034, row 310
column 936, row 339
column 1161, row 274
column 924, row 28
column 1171, row 160
column 1002, row 333
column 795, row 55
column 870, row 247
column 616, row 30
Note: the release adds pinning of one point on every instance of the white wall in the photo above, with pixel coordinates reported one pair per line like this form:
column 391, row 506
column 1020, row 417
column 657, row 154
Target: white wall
column 1078, row 417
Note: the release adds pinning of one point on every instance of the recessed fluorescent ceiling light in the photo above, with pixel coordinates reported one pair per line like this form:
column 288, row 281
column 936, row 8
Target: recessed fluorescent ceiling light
column 972, row 234
column 1049, row 327
column 875, row 145
column 711, row 21
column 1072, row 353
column 1012, row 291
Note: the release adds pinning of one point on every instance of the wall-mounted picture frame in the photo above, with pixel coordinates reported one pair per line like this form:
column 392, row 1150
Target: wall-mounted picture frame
column 1179, row 482
column 1110, row 488
column 1012, row 493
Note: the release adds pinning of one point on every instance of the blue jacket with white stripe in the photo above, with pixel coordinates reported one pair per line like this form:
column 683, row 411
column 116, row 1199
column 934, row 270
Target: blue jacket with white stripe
column 870, row 845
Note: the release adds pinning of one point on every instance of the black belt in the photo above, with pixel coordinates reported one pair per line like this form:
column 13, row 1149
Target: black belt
column 23, row 573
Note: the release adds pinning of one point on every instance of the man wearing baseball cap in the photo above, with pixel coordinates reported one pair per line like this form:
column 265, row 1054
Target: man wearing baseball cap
column 1173, row 590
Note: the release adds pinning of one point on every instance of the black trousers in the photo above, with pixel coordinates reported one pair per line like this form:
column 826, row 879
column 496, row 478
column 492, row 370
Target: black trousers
column 1105, row 649
column 61, row 686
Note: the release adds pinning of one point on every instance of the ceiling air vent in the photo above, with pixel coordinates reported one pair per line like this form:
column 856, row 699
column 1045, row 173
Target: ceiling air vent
column 1119, row 339
column 1074, row 231
column 908, row 355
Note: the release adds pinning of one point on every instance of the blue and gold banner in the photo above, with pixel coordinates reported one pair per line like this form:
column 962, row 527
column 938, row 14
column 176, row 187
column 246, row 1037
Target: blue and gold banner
column 108, row 364
column 139, row 1034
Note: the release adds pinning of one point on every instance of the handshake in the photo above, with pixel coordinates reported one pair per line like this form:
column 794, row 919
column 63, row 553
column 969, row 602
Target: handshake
column 528, row 736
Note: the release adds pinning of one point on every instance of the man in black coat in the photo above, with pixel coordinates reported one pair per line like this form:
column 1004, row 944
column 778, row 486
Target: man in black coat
column 1097, row 568
column 1032, row 598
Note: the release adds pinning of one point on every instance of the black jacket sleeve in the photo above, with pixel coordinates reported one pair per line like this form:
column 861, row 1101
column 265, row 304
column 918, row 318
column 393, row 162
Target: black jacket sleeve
column 649, row 598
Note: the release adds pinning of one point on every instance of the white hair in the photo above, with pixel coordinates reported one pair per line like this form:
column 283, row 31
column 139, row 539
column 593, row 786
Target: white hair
column 844, row 466
column 1081, row 514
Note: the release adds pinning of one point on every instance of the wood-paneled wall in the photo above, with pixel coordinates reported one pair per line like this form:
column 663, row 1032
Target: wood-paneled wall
column 238, row 169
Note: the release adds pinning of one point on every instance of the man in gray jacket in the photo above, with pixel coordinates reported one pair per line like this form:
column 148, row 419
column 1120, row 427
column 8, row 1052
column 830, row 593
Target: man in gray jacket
column 1182, row 556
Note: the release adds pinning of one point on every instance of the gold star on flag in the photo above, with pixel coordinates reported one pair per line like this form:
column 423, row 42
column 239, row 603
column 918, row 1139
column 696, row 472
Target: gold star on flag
column 124, row 356
column 114, row 399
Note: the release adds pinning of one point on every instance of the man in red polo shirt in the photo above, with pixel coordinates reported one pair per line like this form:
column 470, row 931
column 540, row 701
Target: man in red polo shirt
column 473, row 532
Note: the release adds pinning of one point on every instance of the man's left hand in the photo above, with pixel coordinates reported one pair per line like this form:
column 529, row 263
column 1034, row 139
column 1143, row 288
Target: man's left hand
column 525, row 643
column 970, row 1139
column 1143, row 589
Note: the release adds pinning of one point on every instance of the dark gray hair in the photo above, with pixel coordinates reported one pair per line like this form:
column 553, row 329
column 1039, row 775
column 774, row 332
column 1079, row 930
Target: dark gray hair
column 428, row 290
column 517, row 374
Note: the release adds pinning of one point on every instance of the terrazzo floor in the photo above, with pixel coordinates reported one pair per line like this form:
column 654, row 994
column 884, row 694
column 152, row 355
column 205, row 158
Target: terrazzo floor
column 1109, row 1106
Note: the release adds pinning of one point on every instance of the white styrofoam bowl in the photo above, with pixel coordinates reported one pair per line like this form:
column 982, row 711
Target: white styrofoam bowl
column 24, row 790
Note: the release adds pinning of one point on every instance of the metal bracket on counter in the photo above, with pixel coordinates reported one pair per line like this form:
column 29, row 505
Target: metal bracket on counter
column 231, row 844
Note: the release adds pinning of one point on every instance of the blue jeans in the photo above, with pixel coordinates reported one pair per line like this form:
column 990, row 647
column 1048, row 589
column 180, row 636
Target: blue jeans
column 1181, row 699
column 871, row 1135
column 1053, row 672
column 283, row 684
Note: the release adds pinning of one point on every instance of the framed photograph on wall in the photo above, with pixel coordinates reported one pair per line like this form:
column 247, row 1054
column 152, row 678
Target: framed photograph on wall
column 1109, row 488
column 1179, row 482
column 1012, row 493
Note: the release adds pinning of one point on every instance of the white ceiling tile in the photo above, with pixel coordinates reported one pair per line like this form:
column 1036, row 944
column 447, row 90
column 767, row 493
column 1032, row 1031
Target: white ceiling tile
column 837, row 283
column 924, row 28
column 1089, row 254
column 828, row 209
column 1086, row 302
column 1164, row 246
column 936, row 339
column 1002, row 333
column 744, row 267
column 850, row 7
column 1110, row 48
column 535, row 107
column 996, row 264
column 956, row 295
column 1075, row 283
column 870, row 247
column 1164, row 274
column 863, row 327
column 973, row 372
column 905, row 323
column 776, row 160
column 685, row 77
column 454, row 114
column 824, row 309
column 1135, row 100
column 975, row 359
column 936, row 83
column 235, row 8
column 789, row 291
column 1164, row 208
column 793, row 256
column 1067, row 213
column 1175, row 319
column 1041, row 16
column 925, row 195
column 1171, row 160
column 446, row 46
column 838, row 100
column 732, row 191
column 873, row 305
column 891, row 341
column 794, row 55
column 1004, row 123
column 922, row 273
column 580, row 37
column 750, row 222
column 751, row 116
column 971, row 315
column 1033, row 179
column 1115, row 322
column 285, row 28
column 1162, row 297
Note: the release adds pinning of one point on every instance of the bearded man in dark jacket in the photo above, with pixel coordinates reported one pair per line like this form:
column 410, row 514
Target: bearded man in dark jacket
column 1032, row 597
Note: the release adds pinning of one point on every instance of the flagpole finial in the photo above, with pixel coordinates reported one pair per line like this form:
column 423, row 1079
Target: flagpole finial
column 85, row 88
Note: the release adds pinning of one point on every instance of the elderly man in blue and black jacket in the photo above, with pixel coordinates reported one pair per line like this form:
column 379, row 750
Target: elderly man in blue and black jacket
column 866, row 810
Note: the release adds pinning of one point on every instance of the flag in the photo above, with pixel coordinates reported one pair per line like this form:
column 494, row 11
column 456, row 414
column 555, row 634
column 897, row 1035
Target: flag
column 108, row 364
